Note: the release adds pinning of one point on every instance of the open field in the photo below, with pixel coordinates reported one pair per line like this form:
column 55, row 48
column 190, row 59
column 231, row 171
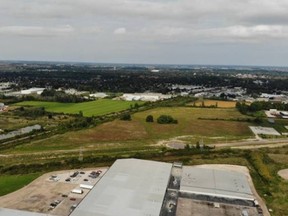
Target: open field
column 138, row 132
column 217, row 103
column 91, row 108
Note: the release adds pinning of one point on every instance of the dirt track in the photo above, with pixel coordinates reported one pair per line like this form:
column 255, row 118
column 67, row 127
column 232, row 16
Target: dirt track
column 283, row 173
column 246, row 144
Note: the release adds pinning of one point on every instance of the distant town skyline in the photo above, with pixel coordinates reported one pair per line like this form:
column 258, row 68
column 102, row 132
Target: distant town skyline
column 206, row 32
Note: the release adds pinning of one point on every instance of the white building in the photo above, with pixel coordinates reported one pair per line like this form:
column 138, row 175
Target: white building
column 155, row 70
column 32, row 91
column 2, row 107
column 145, row 97
column 98, row 95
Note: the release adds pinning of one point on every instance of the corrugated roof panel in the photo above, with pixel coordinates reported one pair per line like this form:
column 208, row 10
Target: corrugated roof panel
column 215, row 182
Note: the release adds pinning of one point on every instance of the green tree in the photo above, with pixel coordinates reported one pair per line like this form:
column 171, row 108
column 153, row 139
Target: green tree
column 149, row 118
column 166, row 119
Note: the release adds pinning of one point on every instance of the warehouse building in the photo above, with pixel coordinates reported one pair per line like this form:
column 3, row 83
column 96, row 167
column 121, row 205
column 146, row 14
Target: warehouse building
column 131, row 187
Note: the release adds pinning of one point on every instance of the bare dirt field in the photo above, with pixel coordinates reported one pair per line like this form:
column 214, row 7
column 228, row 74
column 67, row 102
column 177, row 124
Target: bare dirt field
column 217, row 103
column 38, row 195
column 283, row 173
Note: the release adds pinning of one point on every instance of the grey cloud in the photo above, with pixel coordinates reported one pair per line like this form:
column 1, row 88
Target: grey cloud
column 111, row 26
column 36, row 31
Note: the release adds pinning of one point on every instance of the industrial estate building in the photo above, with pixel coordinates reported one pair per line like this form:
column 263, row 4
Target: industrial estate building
column 133, row 187
column 130, row 187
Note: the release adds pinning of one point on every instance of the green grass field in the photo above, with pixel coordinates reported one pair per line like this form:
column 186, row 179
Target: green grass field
column 96, row 108
column 12, row 183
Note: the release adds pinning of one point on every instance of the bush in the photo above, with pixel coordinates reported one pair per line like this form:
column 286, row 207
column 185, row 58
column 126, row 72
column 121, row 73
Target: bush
column 126, row 117
column 166, row 119
column 149, row 118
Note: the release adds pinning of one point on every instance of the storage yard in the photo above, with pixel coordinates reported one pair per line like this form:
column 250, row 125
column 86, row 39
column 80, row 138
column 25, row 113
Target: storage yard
column 52, row 193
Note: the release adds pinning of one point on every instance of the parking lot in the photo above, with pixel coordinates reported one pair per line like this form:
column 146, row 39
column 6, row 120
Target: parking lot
column 82, row 176
column 52, row 192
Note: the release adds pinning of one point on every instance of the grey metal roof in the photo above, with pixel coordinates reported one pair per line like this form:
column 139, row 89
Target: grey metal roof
column 131, row 187
column 213, row 182
column 13, row 212
column 19, row 132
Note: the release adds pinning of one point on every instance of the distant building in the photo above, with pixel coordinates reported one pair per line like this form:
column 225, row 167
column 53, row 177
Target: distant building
column 98, row 95
column 284, row 114
column 265, row 95
column 74, row 92
column 152, row 97
column 3, row 107
column 155, row 71
column 32, row 91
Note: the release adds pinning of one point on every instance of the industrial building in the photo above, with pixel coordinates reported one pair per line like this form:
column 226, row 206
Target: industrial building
column 131, row 187
column 134, row 187
column 145, row 97
column 32, row 91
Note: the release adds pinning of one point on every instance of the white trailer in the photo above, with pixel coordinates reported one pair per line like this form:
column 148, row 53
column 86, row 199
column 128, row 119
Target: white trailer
column 85, row 186
column 77, row 191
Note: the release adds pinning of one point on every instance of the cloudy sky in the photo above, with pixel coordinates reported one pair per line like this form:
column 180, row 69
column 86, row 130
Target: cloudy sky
column 237, row 32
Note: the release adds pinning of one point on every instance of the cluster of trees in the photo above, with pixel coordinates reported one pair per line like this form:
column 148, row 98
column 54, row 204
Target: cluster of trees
column 163, row 119
column 60, row 96
column 259, row 105
column 126, row 117
column 166, row 119
column 30, row 112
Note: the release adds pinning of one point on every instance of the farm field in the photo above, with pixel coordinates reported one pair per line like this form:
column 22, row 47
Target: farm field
column 135, row 133
column 220, row 104
column 96, row 108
